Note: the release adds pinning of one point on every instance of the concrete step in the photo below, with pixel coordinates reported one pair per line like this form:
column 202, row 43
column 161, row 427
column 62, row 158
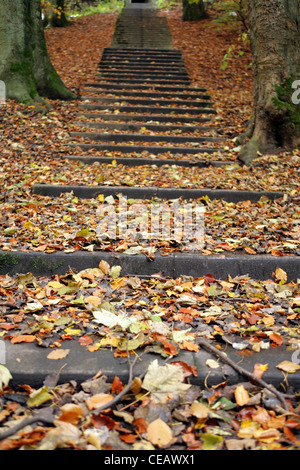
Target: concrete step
column 130, row 126
column 91, row 192
column 174, row 139
column 149, row 109
column 148, row 101
column 145, row 119
column 147, row 94
column 142, row 161
column 155, row 150
column 146, row 87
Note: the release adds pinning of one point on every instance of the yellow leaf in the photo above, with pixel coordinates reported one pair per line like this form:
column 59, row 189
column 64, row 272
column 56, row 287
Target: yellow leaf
column 55, row 285
column 159, row 433
column 281, row 275
column 101, row 197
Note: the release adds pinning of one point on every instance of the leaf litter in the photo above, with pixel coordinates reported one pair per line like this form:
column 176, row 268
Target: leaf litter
column 162, row 409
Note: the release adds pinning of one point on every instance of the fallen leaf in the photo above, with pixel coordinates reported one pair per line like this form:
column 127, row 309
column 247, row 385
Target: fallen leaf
column 212, row 364
column 98, row 400
column 280, row 275
column 104, row 266
column 159, row 433
column 241, row 395
column 199, row 410
column 71, row 413
column 58, row 354
column 5, row 377
column 288, row 366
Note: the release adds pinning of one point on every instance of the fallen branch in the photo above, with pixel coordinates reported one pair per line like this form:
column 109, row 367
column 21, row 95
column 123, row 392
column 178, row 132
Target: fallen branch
column 45, row 416
column 207, row 345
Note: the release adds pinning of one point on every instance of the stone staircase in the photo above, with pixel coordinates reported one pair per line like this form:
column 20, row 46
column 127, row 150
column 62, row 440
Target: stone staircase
column 142, row 110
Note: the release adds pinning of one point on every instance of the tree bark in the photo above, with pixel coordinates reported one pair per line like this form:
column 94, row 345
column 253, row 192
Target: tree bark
column 25, row 66
column 275, row 43
column 193, row 10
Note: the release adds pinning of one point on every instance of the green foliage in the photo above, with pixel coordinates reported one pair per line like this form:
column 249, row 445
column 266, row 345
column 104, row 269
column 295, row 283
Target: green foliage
column 283, row 101
column 231, row 13
column 76, row 9
column 160, row 4
column 233, row 52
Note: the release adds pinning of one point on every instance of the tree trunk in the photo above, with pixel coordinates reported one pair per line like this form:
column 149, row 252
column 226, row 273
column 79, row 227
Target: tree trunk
column 25, row 65
column 193, row 10
column 275, row 43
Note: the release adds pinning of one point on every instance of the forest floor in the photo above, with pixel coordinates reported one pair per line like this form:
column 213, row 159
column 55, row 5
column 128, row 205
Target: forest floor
column 264, row 314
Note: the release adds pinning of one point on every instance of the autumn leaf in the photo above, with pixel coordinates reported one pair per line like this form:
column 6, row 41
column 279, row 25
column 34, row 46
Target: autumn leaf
column 199, row 410
column 280, row 275
column 241, row 395
column 104, row 266
column 159, row 433
column 71, row 413
column 40, row 396
column 57, row 354
column 260, row 369
column 98, row 400
column 288, row 366
column 23, row 339
column 5, row 377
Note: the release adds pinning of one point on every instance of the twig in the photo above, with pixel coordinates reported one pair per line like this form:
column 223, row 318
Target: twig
column 206, row 344
column 45, row 416
column 125, row 390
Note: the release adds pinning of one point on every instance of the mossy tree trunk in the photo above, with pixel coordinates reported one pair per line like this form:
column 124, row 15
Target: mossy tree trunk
column 275, row 43
column 25, row 66
column 193, row 10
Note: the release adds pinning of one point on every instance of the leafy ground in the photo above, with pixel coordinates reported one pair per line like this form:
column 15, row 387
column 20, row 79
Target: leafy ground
column 100, row 308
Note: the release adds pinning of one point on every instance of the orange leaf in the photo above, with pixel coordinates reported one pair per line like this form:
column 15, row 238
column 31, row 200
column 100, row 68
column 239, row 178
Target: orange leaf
column 104, row 266
column 241, row 395
column 129, row 438
column 189, row 346
column 98, row 400
column 141, row 425
column 23, row 339
column 71, row 413
column 260, row 369
column 85, row 340
column 117, row 386
column 276, row 338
